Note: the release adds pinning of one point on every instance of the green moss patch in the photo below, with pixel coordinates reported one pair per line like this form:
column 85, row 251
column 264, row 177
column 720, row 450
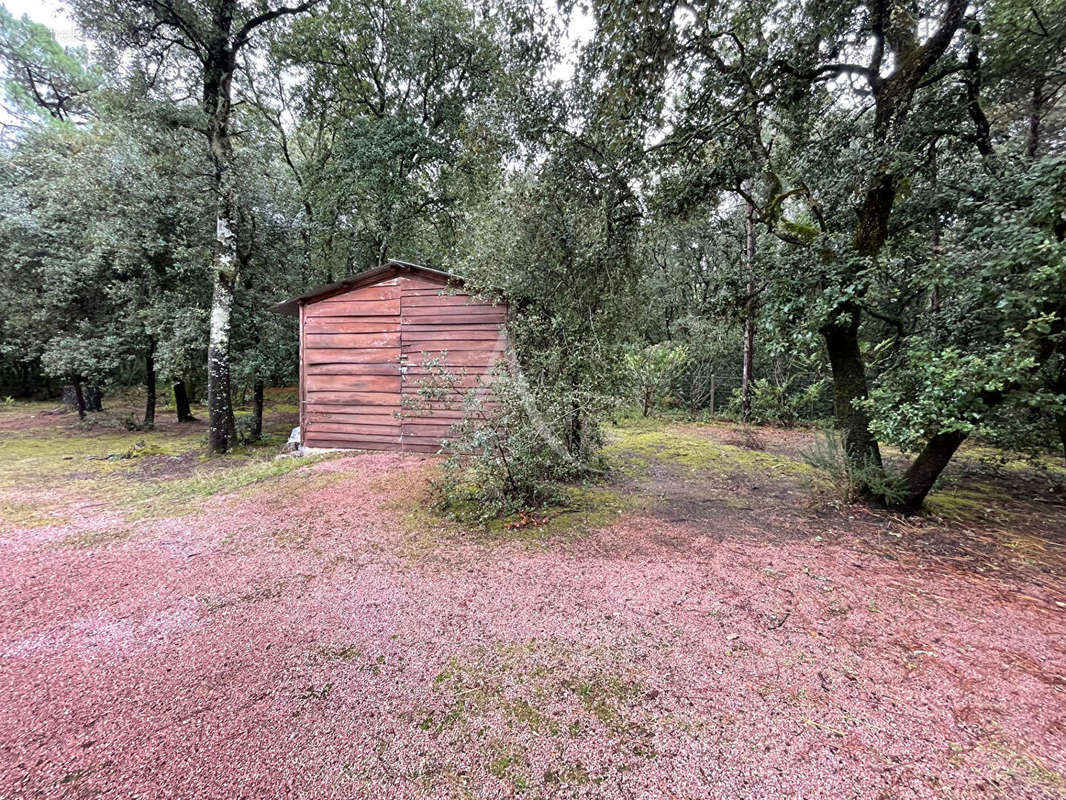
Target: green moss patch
column 683, row 449
column 979, row 501
column 577, row 511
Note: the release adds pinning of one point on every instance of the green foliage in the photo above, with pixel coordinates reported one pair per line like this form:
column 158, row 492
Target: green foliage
column 650, row 370
column 507, row 451
column 42, row 79
column 775, row 403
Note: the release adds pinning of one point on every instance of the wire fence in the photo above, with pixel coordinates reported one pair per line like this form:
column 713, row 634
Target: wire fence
column 700, row 388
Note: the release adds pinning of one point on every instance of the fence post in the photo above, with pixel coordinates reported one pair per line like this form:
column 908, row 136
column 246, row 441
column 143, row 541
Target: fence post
column 713, row 380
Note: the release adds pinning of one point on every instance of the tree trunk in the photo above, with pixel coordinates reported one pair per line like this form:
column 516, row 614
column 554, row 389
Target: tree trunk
column 1036, row 104
column 849, row 386
column 79, row 397
column 749, row 321
column 926, row 468
column 1060, row 419
column 257, row 411
column 181, row 403
column 94, row 398
column 149, row 385
column 222, row 433
column 218, row 79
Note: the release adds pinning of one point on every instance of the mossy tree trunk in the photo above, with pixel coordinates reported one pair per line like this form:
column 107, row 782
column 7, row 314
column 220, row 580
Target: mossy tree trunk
column 149, row 384
column 256, row 432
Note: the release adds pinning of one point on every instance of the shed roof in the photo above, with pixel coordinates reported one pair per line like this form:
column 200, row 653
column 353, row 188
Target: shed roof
column 365, row 278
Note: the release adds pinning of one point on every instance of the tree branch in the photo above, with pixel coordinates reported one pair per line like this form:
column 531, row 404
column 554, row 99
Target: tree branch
column 245, row 32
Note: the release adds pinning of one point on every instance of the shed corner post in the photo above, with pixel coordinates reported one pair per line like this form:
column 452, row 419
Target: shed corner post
column 301, row 392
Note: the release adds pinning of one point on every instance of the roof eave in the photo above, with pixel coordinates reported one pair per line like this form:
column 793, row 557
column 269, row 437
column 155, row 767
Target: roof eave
column 291, row 307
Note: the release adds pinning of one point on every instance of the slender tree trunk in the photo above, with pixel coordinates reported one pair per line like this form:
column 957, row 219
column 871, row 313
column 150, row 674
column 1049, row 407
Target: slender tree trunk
column 1036, row 104
column 257, row 411
column 1060, row 418
column 749, row 320
column 79, row 397
column 181, row 403
column 149, row 384
column 218, row 78
column 222, row 433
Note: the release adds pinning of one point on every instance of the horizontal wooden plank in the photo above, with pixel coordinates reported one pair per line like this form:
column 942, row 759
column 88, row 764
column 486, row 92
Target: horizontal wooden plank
column 452, row 301
column 312, row 408
column 389, row 368
column 424, row 314
column 377, row 291
column 454, row 345
column 419, row 325
column 414, row 383
column 340, row 355
column 349, row 340
column 428, row 428
column 411, row 440
column 357, row 383
column 318, row 428
column 437, row 417
column 355, row 436
column 451, row 333
column 351, row 324
column 353, row 308
column 351, row 398
column 437, row 290
column 454, row 358
column 350, row 444
column 342, row 416
column 423, row 281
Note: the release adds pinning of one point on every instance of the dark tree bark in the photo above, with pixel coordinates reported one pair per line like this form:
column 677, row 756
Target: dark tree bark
column 1060, row 418
column 849, row 386
column 926, row 468
column 1036, row 111
column 181, row 403
column 94, row 398
column 257, row 411
column 79, row 397
column 149, row 385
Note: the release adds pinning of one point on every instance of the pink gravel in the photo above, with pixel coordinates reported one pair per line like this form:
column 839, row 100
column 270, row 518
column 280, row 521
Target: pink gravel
column 300, row 644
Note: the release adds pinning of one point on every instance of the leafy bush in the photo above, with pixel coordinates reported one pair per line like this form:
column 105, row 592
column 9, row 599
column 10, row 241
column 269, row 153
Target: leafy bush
column 776, row 403
column 650, row 370
column 511, row 447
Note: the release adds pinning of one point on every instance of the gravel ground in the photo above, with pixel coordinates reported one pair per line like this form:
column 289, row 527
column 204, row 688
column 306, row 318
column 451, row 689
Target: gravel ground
column 298, row 639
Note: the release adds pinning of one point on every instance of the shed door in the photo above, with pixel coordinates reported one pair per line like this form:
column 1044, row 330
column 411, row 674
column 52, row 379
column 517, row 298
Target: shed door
column 439, row 325
column 351, row 363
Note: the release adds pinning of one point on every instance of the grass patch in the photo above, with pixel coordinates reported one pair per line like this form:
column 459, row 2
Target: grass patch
column 577, row 511
column 50, row 458
column 88, row 539
column 176, row 497
column 29, row 514
column 146, row 474
column 634, row 450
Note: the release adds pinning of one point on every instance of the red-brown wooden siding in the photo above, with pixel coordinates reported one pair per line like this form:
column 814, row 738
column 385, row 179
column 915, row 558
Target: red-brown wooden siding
column 362, row 352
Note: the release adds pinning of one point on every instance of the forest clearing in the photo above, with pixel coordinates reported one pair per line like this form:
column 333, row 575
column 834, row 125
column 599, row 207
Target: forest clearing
column 702, row 622
column 476, row 399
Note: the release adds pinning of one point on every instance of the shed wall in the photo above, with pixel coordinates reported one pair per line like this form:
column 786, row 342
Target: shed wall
column 363, row 351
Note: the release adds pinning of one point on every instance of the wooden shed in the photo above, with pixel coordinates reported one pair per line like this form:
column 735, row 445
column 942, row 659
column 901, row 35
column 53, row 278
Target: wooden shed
column 363, row 344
